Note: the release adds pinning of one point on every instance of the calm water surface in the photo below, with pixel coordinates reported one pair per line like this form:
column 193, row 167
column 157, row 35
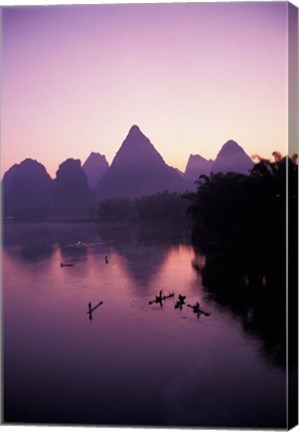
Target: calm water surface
column 133, row 363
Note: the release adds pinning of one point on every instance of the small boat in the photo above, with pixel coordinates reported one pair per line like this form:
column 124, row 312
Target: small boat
column 158, row 299
column 170, row 295
column 197, row 310
column 92, row 309
column 66, row 265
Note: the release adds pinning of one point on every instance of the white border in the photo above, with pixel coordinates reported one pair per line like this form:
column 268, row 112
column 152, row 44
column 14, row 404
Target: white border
column 28, row 428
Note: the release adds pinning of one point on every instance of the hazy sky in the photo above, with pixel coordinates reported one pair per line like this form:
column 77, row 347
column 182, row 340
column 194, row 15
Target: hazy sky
column 192, row 76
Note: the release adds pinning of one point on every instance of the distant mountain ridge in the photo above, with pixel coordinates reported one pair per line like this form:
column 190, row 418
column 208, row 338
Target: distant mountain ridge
column 27, row 190
column 136, row 148
column 72, row 195
column 95, row 167
column 232, row 157
column 196, row 166
column 138, row 169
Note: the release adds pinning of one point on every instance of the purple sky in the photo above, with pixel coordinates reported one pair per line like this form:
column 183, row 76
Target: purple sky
column 192, row 76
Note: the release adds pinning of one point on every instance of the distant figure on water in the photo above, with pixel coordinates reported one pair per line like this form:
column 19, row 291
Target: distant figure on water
column 92, row 309
column 180, row 302
column 197, row 310
column 106, row 259
column 158, row 299
column 89, row 311
column 195, row 307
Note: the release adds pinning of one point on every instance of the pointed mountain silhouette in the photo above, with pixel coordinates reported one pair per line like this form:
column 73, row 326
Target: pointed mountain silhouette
column 232, row 157
column 27, row 190
column 95, row 167
column 179, row 172
column 196, row 166
column 138, row 169
column 72, row 196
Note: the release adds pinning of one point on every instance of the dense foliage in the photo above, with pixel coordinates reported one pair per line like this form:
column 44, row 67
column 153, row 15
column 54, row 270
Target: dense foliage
column 243, row 227
column 161, row 206
column 245, row 211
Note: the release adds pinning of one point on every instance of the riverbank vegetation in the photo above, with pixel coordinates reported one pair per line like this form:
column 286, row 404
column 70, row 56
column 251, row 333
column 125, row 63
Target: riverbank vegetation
column 244, row 235
column 164, row 206
column 246, row 211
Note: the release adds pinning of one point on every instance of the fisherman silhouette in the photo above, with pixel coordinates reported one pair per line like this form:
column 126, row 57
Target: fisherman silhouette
column 92, row 309
column 158, row 299
column 182, row 298
column 106, row 259
column 180, row 302
column 196, row 309
column 89, row 311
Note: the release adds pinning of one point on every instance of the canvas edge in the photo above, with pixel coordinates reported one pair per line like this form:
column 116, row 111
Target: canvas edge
column 292, row 226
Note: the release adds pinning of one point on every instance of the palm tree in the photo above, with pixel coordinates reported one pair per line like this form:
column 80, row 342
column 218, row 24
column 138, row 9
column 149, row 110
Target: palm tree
column 247, row 209
column 216, row 206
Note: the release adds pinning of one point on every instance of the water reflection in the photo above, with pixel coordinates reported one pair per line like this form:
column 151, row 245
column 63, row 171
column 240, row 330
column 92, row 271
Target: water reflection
column 144, row 248
column 74, row 252
column 141, row 364
column 253, row 294
column 29, row 243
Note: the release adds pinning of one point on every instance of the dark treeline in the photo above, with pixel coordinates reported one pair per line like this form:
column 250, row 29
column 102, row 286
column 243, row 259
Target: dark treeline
column 245, row 212
column 164, row 206
column 243, row 227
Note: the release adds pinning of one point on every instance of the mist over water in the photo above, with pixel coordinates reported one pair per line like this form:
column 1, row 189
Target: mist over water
column 132, row 363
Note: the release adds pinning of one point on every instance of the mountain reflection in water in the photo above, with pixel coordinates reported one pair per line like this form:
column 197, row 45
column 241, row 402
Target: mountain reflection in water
column 133, row 363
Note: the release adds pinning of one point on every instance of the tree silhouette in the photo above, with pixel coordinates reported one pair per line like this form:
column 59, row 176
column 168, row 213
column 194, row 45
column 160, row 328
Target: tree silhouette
column 217, row 207
column 242, row 226
column 245, row 212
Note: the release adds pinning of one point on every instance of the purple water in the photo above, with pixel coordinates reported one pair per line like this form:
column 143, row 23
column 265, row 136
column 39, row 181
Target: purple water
column 133, row 363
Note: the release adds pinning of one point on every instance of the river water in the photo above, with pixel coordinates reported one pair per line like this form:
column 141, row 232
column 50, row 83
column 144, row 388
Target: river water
column 129, row 362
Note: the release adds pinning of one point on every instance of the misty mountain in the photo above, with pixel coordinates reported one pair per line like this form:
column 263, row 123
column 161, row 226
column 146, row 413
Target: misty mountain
column 138, row 169
column 232, row 157
column 72, row 195
column 95, row 167
column 27, row 190
column 196, row 166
